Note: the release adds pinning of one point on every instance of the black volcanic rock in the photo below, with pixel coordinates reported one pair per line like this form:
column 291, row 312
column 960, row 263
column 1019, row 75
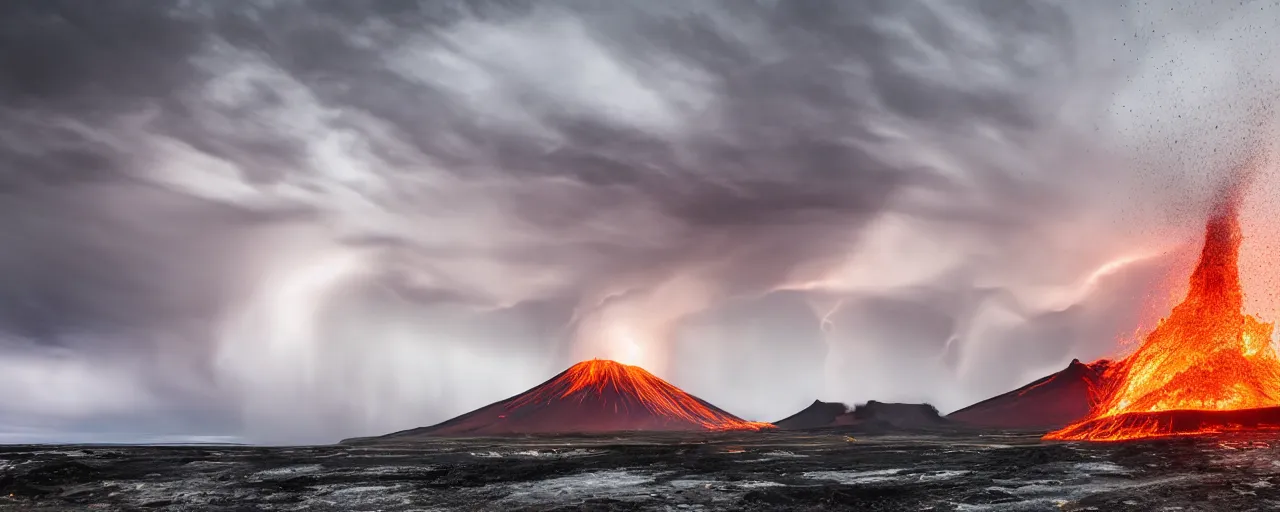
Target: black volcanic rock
column 787, row 470
column 905, row 416
column 871, row 416
column 817, row 415
column 1049, row 403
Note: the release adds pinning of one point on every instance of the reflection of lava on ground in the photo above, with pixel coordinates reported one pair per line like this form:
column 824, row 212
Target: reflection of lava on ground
column 593, row 396
column 1206, row 368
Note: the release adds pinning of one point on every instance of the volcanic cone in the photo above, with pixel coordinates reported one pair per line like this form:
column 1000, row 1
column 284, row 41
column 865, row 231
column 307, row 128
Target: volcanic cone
column 1051, row 402
column 1206, row 356
column 592, row 396
column 817, row 415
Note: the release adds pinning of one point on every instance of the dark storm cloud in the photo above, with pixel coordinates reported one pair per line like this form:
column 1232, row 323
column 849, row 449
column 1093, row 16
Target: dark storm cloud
column 89, row 61
column 362, row 216
column 791, row 138
column 87, row 57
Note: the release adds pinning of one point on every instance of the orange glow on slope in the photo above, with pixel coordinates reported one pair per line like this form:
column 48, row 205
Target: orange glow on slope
column 600, row 376
column 1206, row 356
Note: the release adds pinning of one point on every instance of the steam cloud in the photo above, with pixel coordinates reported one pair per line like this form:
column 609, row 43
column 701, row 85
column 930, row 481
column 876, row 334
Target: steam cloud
column 295, row 221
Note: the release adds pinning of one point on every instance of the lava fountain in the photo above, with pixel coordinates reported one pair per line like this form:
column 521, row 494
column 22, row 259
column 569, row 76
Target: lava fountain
column 1206, row 368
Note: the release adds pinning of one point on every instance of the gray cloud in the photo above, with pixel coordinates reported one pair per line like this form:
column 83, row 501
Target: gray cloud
column 320, row 219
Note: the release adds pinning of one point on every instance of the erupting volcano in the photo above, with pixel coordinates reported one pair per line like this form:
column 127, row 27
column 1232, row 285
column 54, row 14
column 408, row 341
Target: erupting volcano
column 592, row 396
column 1206, row 368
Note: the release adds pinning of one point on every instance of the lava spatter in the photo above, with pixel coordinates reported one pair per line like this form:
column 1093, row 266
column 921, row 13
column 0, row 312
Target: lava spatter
column 1202, row 362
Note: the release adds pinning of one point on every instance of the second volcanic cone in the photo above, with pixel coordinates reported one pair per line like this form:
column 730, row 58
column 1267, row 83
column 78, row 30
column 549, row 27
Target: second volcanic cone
column 593, row 396
column 1052, row 402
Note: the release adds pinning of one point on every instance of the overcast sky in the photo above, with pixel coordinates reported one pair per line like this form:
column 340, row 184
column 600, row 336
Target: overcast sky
column 295, row 221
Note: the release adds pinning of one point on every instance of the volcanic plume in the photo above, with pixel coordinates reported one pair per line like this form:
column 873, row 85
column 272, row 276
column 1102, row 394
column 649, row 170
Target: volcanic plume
column 1051, row 402
column 592, row 396
column 1206, row 356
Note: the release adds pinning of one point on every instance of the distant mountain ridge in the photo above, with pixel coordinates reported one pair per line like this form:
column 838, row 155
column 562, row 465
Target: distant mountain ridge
column 870, row 415
column 1051, row 402
column 817, row 415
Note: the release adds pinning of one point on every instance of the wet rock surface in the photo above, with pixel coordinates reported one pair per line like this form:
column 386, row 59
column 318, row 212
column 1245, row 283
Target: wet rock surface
column 732, row 471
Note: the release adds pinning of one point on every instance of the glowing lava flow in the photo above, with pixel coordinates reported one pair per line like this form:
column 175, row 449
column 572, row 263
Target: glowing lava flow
column 1206, row 368
column 597, row 378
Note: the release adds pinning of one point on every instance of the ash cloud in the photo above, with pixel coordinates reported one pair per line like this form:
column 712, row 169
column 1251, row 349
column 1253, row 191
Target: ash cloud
column 320, row 219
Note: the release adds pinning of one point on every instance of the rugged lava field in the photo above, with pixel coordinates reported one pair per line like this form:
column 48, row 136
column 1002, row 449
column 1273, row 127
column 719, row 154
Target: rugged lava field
column 725, row 471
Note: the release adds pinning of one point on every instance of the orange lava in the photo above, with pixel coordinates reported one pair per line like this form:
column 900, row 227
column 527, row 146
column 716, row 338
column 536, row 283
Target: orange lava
column 602, row 376
column 1206, row 356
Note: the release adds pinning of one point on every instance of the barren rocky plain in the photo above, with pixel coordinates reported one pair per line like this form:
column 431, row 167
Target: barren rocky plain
column 813, row 470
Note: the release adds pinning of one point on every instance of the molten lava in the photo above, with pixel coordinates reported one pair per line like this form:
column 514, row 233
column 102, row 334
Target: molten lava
column 593, row 396
column 1205, row 359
